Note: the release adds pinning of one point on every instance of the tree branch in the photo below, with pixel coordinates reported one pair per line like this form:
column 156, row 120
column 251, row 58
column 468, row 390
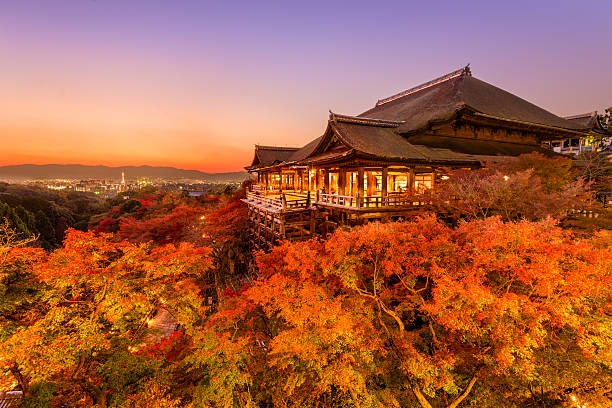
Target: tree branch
column 23, row 381
column 420, row 397
column 465, row 393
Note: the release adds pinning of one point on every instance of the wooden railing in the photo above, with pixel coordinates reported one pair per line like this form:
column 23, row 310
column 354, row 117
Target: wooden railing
column 265, row 200
column 282, row 202
column 391, row 200
column 338, row 200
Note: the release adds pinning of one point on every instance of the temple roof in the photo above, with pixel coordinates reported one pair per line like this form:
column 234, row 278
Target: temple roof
column 305, row 151
column 443, row 98
column 587, row 120
column 390, row 130
column 379, row 139
column 270, row 155
column 478, row 147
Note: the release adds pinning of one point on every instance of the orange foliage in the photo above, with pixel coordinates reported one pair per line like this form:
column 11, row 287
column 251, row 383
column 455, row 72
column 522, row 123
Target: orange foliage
column 419, row 307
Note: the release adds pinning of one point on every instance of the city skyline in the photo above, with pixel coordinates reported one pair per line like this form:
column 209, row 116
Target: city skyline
column 194, row 86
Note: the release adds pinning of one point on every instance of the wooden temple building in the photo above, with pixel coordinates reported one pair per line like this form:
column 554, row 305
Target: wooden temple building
column 596, row 140
column 370, row 166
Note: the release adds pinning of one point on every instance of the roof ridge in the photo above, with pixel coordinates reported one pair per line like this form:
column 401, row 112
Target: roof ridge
column 583, row 115
column 276, row 147
column 460, row 72
column 336, row 117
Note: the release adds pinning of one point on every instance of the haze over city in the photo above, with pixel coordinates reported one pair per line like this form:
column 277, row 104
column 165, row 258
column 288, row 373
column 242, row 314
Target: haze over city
column 194, row 84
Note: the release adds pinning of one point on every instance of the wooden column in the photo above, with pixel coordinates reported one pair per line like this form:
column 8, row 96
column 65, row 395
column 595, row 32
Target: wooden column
column 371, row 183
column 384, row 181
column 326, row 181
column 360, row 182
column 310, row 187
column 305, row 186
column 411, row 179
column 341, row 181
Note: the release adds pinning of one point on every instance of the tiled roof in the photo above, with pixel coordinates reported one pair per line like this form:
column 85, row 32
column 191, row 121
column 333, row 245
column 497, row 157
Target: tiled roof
column 477, row 147
column 270, row 155
column 389, row 130
column 442, row 98
column 588, row 120
column 380, row 139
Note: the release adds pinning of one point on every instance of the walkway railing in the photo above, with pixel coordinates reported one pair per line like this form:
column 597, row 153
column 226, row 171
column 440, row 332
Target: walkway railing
column 391, row 200
column 280, row 203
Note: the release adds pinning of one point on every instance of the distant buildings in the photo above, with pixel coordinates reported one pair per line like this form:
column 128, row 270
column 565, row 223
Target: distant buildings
column 110, row 188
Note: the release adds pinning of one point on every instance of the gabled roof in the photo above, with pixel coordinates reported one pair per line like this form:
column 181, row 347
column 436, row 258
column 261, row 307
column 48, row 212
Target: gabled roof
column 373, row 137
column 378, row 139
column 443, row 98
column 305, row 151
column 587, row 120
column 270, row 155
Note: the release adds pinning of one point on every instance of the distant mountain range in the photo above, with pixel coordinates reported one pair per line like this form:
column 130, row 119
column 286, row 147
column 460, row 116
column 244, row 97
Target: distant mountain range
column 22, row 172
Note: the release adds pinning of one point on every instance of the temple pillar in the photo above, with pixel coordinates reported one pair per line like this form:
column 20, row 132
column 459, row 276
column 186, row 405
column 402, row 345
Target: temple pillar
column 341, row 181
column 309, row 179
column 326, row 181
column 360, row 181
column 371, row 183
column 411, row 179
column 385, row 179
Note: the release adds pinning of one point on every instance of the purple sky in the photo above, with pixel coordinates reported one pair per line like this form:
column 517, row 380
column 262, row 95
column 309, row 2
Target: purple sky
column 195, row 84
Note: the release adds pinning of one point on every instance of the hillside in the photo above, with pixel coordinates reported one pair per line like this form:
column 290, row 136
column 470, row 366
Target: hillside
column 23, row 172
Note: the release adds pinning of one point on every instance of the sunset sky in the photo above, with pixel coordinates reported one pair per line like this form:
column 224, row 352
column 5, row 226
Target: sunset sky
column 195, row 84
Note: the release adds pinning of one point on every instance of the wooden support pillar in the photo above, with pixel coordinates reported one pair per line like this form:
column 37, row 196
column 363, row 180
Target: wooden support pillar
column 385, row 178
column 312, row 222
column 326, row 181
column 411, row 180
column 280, row 180
column 371, row 183
column 359, row 185
column 300, row 180
column 341, row 181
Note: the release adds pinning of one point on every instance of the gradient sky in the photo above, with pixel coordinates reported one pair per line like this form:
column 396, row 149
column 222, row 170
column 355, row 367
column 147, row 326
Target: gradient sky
column 195, row 84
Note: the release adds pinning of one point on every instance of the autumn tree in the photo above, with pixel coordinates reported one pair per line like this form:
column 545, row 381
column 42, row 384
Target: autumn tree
column 85, row 338
column 182, row 223
column 416, row 313
column 225, row 229
column 529, row 187
column 606, row 119
column 596, row 169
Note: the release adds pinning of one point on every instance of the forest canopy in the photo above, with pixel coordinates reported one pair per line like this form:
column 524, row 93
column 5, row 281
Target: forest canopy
column 159, row 302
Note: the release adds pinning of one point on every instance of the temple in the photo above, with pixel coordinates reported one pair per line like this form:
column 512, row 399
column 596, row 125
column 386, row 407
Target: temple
column 596, row 140
column 371, row 166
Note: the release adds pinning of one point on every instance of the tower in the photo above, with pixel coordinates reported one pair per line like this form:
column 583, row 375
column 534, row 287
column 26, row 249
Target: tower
column 123, row 178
